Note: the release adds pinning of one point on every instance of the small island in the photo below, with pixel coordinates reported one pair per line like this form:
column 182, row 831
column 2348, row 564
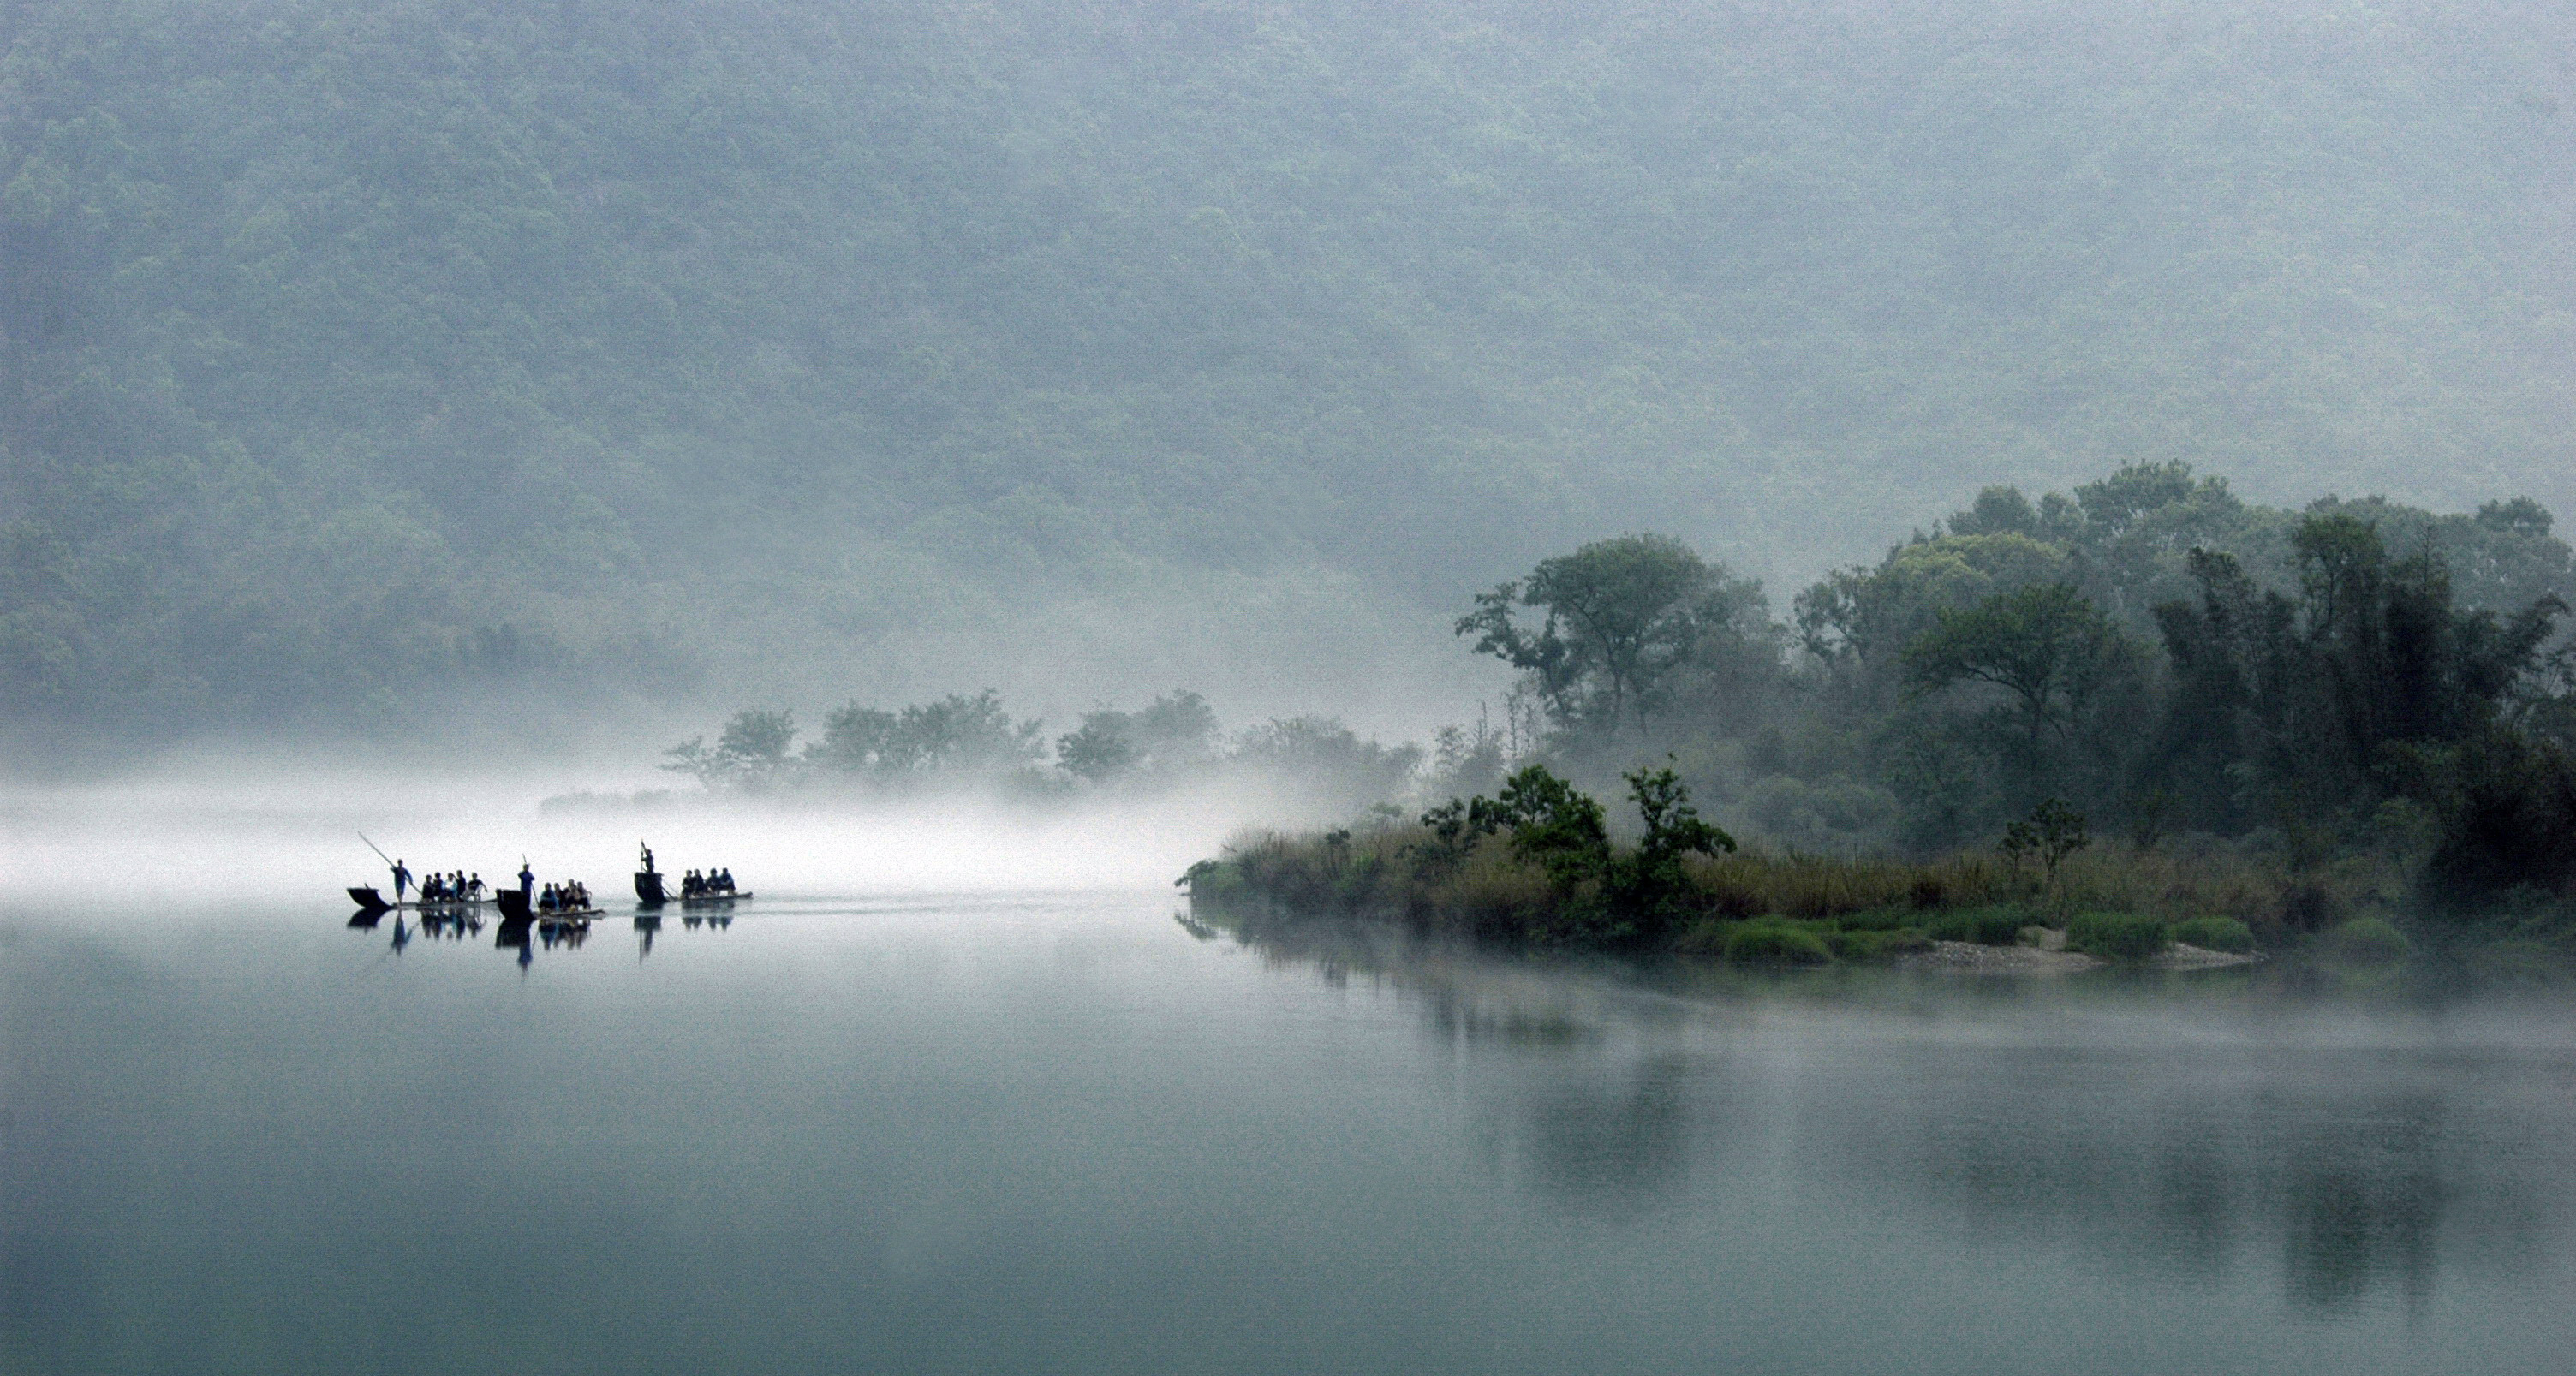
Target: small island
column 1536, row 866
column 2145, row 722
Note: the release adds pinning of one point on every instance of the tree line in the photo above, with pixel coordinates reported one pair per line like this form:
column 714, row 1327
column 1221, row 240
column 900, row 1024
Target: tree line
column 2150, row 650
column 973, row 741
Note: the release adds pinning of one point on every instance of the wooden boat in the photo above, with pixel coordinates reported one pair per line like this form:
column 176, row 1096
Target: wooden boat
column 705, row 899
column 516, row 907
column 370, row 901
column 648, row 889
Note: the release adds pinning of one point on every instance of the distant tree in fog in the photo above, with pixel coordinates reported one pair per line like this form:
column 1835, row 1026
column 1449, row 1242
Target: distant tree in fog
column 1619, row 616
column 752, row 748
column 1172, row 733
column 1326, row 755
column 954, row 735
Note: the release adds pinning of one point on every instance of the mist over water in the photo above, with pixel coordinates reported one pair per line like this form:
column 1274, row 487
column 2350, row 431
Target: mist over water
column 958, row 465
column 303, row 832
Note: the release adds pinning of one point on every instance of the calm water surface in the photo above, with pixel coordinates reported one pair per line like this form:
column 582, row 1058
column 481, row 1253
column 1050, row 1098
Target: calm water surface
column 1049, row 1134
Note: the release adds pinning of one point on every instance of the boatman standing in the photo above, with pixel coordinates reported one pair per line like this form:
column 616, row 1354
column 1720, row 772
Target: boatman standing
column 402, row 879
column 527, row 880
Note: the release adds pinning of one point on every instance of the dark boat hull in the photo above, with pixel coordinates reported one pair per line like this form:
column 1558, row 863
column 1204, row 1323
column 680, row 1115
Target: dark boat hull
column 648, row 889
column 515, row 907
column 371, row 901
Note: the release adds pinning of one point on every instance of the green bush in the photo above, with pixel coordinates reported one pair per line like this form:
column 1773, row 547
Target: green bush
column 1880, row 920
column 2215, row 934
column 1765, row 943
column 2115, row 936
column 2368, row 941
column 1876, row 944
column 1996, row 926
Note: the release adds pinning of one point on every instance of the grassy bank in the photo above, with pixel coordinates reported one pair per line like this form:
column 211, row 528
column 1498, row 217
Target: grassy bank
column 1753, row 904
column 1546, row 873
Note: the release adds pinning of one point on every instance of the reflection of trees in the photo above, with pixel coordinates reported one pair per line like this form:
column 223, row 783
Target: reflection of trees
column 2355, row 1176
column 1627, row 1137
column 1595, row 1111
column 2357, row 1182
column 2363, row 1202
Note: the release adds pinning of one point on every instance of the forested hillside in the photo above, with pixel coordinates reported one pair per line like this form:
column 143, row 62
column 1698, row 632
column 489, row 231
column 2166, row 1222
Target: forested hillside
column 360, row 360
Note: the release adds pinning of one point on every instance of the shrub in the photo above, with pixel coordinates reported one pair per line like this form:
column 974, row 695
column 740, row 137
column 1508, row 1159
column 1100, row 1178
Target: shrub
column 2115, row 936
column 2368, row 941
column 1876, row 944
column 1496, row 895
column 1704, row 937
column 2215, row 934
column 1880, row 920
column 1994, row 926
column 1763, row 943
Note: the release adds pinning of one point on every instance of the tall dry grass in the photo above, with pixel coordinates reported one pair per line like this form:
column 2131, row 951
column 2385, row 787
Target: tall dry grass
column 1398, row 872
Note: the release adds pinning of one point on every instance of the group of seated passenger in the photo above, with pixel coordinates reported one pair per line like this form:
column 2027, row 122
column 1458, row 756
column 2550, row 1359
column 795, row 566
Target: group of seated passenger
column 451, row 887
column 570, row 897
column 712, row 884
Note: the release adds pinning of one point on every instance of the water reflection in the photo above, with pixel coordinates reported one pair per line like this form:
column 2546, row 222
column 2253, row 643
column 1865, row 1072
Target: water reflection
column 524, row 935
column 1626, row 1138
column 1046, row 1135
column 2355, row 1154
column 1593, row 1103
column 2358, row 1181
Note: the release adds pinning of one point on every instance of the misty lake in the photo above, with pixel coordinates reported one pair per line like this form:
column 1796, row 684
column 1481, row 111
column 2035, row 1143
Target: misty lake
column 1074, row 1134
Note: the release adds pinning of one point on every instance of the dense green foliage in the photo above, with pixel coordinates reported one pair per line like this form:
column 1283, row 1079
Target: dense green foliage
column 2315, row 703
column 2116, row 936
column 1769, row 943
column 2151, row 656
column 351, row 355
column 2215, row 934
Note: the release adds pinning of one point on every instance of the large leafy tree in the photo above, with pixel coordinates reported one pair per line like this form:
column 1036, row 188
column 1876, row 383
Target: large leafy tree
column 1618, row 616
column 2312, row 695
column 2047, row 649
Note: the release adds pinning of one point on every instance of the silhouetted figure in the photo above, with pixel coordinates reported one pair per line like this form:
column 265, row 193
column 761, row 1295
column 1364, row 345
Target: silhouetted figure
column 402, row 879
column 527, row 880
